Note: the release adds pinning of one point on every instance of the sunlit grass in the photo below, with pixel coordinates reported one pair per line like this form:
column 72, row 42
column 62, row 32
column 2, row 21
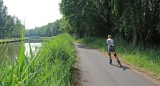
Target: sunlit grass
column 51, row 66
column 98, row 43
column 147, row 58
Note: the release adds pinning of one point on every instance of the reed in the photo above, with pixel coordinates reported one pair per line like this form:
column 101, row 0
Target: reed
column 51, row 66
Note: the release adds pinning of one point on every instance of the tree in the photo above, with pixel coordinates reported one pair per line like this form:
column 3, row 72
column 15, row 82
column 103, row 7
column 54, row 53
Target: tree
column 64, row 25
column 10, row 26
column 48, row 30
column 3, row 16
column 87, row 17
column 137, row 21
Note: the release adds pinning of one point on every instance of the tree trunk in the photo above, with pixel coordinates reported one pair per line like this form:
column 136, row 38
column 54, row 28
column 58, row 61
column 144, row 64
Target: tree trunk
column 134, row 37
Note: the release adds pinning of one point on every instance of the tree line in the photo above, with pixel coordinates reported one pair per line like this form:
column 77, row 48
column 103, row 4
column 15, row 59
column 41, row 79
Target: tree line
column 10, row 26
column 136, row 21
column 51, row 29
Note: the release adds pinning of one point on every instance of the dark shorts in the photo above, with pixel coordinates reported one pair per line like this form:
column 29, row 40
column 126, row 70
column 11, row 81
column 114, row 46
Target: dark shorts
column 111, row 49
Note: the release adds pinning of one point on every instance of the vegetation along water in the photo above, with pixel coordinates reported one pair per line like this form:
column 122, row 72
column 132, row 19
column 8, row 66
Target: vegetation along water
column 135, row 24
column 51, row 66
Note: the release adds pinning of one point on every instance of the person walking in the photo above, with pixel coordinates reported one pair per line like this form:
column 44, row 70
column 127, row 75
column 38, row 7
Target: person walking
column 111, row 49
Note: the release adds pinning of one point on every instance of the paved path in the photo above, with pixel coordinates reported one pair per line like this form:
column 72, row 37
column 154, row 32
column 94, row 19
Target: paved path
column 96, row 71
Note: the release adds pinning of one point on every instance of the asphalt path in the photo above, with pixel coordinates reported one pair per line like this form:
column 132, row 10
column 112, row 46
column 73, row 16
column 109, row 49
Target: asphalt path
column 96, row 70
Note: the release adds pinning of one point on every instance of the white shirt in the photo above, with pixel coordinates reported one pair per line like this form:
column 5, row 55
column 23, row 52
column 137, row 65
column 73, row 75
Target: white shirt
column 110, row 42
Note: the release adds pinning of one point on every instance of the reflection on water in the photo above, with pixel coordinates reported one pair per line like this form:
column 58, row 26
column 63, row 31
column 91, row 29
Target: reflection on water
column 34, row 46
column 11, row 50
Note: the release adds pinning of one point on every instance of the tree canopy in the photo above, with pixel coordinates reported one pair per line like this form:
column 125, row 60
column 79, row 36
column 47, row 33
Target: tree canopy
column 134, row 20
column 10, row 26
column 51, row 29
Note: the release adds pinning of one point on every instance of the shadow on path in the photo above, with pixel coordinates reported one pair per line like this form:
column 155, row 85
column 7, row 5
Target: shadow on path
column 123, row 67
column 83, row 46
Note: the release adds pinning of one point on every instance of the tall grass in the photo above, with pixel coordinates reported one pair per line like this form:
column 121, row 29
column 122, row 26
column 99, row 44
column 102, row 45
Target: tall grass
column 93, row 42
column 51, row 66
column 147, row 59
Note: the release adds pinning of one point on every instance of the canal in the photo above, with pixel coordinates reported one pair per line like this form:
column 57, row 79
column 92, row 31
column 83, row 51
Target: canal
column 12, row 50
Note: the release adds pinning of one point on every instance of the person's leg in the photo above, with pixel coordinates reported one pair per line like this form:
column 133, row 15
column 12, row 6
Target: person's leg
column 117, row 59
column 110, row 59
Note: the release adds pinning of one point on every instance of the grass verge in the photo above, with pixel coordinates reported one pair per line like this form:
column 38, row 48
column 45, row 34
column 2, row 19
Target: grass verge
column 147, row 59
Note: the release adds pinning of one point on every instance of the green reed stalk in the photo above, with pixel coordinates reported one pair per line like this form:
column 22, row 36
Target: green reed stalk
column 51, row 66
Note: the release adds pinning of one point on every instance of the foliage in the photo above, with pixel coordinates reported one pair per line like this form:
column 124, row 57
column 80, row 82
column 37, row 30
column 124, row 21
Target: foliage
column 51, row 29
column 64, row 26
column 51, row 66
column 10, row 26
column 137, row 21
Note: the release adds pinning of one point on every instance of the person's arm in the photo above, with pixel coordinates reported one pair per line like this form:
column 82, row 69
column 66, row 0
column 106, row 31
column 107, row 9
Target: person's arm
column 107, row 42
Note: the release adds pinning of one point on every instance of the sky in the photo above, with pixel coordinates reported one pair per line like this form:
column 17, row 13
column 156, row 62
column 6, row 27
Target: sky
column 35, row 13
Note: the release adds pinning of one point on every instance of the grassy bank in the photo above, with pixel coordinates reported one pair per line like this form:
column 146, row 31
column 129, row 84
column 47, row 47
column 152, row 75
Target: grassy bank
column 148, row 58
column 52, row 66
column 36, row 39
column 2, row 41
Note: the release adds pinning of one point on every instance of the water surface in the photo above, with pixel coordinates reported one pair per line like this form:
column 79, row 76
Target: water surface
column 12, row 50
